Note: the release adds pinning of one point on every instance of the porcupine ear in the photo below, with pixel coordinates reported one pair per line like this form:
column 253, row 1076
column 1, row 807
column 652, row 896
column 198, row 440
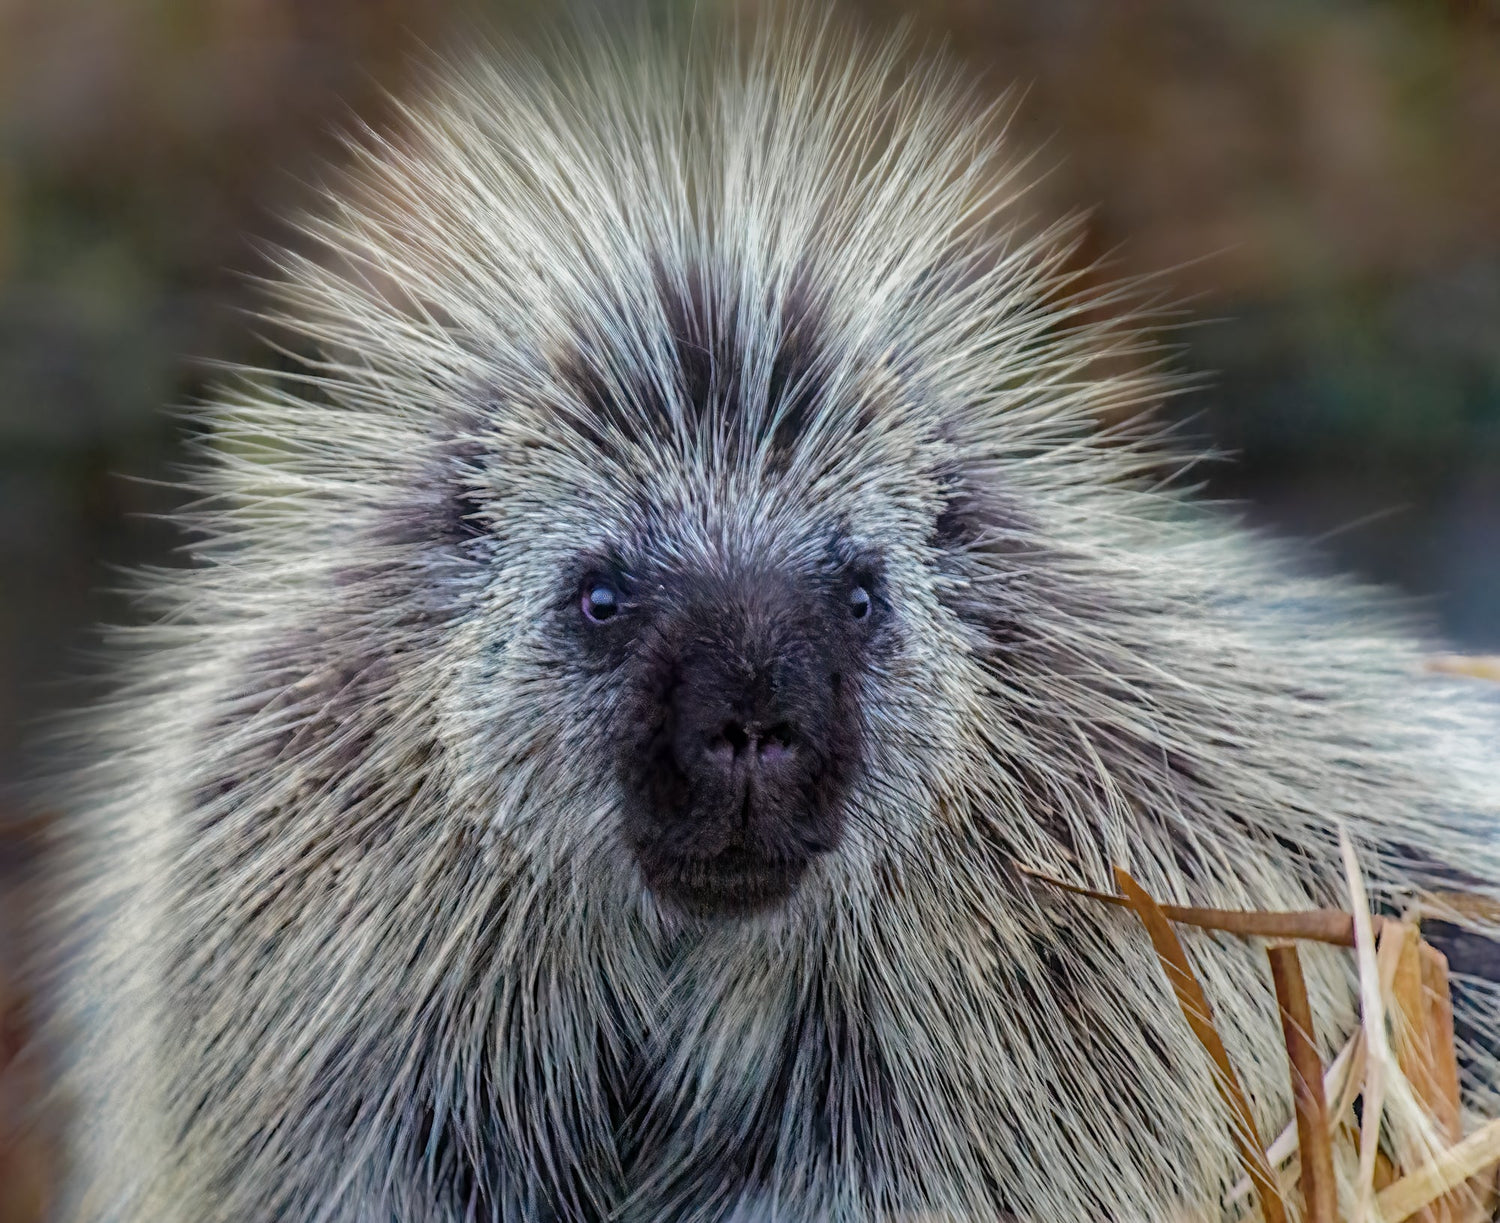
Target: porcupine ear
column 440, row 505
column 960, row 519
column 973, row 513
column 979, row 531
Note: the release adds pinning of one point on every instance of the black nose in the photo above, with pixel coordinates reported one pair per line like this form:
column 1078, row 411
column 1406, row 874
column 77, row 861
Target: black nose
column 740, row 744
column 740, row 735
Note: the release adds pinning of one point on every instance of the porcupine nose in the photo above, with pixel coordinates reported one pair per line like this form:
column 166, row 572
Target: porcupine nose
column 746, row 715
column 739, row 743
column 756, row 745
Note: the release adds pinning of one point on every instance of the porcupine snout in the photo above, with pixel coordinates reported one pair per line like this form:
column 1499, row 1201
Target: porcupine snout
column 741, row 739
column 745, row 722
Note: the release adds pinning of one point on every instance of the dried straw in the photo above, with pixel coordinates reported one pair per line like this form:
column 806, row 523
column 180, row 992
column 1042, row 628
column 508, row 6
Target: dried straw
column 1408, row 1081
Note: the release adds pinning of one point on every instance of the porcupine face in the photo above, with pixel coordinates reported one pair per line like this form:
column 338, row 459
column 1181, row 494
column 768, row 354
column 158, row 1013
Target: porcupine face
column 738, row 730
column 733, row 639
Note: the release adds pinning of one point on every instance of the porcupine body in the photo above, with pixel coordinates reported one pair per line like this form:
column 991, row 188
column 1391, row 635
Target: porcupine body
column 586, row 777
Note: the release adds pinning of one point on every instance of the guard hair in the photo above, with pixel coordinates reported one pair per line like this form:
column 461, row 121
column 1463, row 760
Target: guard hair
column 626, row 373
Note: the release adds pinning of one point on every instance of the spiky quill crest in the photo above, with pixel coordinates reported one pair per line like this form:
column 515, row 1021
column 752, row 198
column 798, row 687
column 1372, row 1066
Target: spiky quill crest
column 362, row 938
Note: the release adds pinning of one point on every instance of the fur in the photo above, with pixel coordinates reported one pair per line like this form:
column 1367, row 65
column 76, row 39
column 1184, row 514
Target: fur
column 361, row 937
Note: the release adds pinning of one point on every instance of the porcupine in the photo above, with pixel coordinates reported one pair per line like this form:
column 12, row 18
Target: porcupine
column 633, row 654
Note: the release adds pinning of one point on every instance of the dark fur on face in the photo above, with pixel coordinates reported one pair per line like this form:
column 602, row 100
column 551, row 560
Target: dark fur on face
column 739, row 728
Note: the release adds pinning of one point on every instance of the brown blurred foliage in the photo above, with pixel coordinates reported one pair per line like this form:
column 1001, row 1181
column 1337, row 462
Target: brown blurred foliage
column 1254, row 147
column 1319, row 180
column 1322, row 173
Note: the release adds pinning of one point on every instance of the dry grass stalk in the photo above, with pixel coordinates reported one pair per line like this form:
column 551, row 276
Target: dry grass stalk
column 1468, row 1203
column 1451, row 906
column 1341, row 1086
column 1372, row 1012
column 1386, row 1173
column 1474, row 666
column 1400, row 982
column 1195, row 1008
column 1410, row 1091
column 1441, row 1175
column 1319, row 1189
column 1417, row 1057
column 1352, row 1082
column 1315, row 925
column 1437, row 1009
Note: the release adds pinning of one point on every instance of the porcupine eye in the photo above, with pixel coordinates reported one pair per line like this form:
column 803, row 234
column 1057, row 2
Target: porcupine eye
column 601, row 602
column 859, row 602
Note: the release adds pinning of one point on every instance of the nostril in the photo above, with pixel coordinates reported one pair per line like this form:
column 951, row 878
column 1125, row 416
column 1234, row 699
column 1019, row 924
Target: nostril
column 732, row 740
column 736, row 736
column 736, row 741
column 775, row 743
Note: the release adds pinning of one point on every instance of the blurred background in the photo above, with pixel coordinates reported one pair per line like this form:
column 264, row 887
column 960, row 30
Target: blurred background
column 1321, row 177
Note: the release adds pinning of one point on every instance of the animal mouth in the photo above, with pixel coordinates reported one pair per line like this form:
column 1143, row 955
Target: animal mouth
column 735, row 883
